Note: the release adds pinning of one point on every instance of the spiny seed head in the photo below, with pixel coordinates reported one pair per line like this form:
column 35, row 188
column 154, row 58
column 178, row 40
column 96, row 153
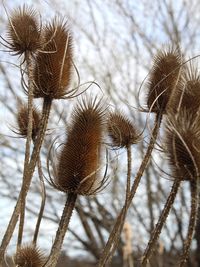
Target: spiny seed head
column 22, row 121
column 79, row 161
column 121, row 130
column 24, row 33
column 29, row 256
column 188, row 95
column 183, row 145
column 53, row 68
column 163, row 79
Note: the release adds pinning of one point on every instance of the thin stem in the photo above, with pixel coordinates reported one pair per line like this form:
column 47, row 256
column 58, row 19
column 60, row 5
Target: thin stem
column 192, row 222
column 33, row 161
column 197, row 235
column 43, row 193
column 105, row 258
column 162, row 219
column 128, row 181
column 62, row 229
column 128, row 186
column 28, row 145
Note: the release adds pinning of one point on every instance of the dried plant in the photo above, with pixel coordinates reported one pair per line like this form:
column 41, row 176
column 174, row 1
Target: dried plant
column 182, row 146
column 183, row 143
column 77, row 172
column 123, row 133
column 50, row 76
column 63, row 82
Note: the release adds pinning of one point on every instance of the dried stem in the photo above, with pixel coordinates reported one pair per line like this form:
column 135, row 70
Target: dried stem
column 116, row 229
column 62, row 228
column 43, row 193
column 28, row 145
column 128, row 182
column 126, row 206
column 33, row 161
column 162, row 219
column 192, row 222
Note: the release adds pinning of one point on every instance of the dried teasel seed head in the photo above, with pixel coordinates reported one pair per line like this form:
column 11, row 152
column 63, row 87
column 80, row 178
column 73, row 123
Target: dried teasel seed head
column 80, row 158
column 24, row 33
column 121, row 130
column 53, row 68
column 29, row 256
column 183, row 145
column 22, row 121
column 164, row 78
column 188, row 95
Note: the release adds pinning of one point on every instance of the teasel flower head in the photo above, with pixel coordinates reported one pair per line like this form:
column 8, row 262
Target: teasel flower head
column 53, row 67
column 78, row 168
column 22, row 121
column 24, row 31
column 188, row 95
column 29, row 256
column 121, row 130
column 163, row 79
column 183, row 145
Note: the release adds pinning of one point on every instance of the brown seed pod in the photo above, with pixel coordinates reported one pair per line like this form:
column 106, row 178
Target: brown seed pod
column 29, row 256
column 53, row 67
column 121, row 130
column 24, row 33
column 79, row 161
column 183, row 145
column 164, row 78
column 188, row 95
column 22, row 121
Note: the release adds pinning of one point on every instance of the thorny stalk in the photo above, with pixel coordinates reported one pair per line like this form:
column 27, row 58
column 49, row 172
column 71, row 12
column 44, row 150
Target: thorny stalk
column 43, row 194
column 28, row 145
column 192, row 222
column 62, row 228
column 128, row 187
column 162, row 219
